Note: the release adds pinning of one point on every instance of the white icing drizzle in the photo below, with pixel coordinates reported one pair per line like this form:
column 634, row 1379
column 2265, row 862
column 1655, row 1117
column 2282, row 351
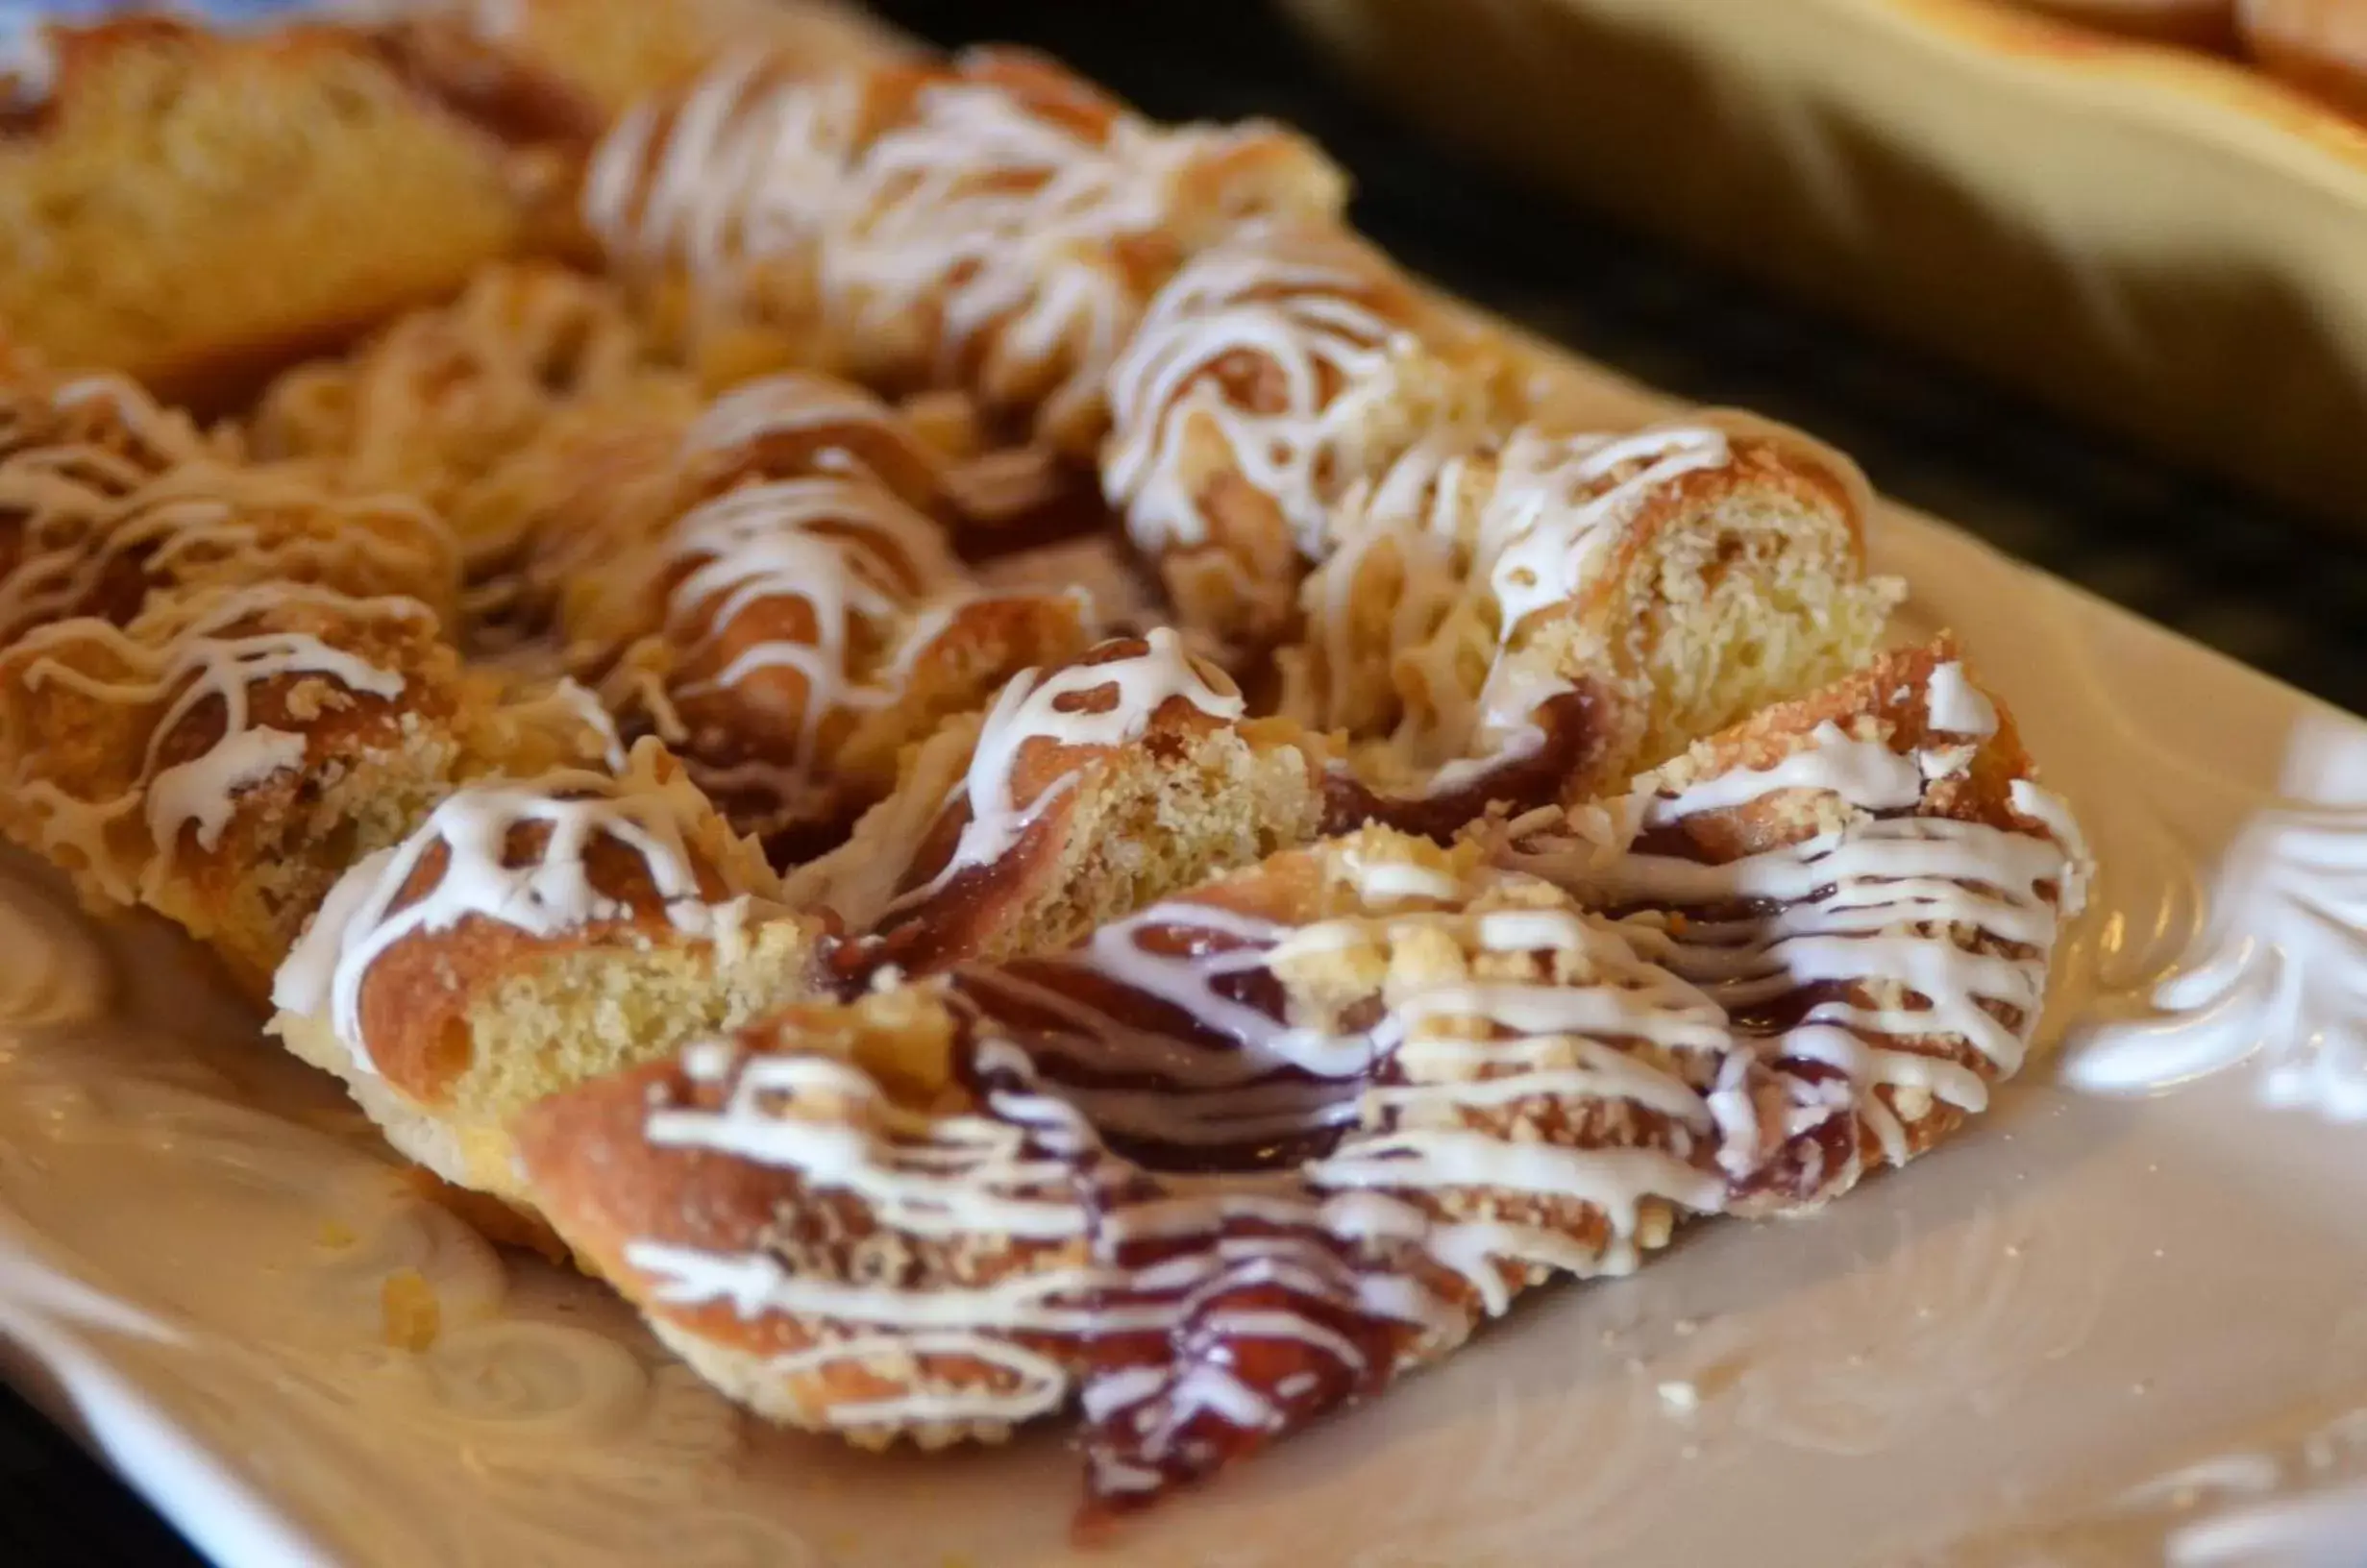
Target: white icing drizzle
column 1063, row 709
column 2052, row 812
column 1412, row 515
column 1540, row 1038
column 1332, row 359
column 1864, row 771
column 879, row 588
column 1005, row 1170
column 1484, row 539
column 902, row 1165
column 207, row 661
column 1556, row 508
column 1005, row 222
column 1958, row 707
column 744, row 168
column 205, row 521
column 845, row 546
column 367, row 914
column 793, row 405
column 998, row 225
column 1955, row 920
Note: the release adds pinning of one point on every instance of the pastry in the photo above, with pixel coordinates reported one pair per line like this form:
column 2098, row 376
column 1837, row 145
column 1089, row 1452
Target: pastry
column 1083, row 792
column 1398, row 852
column 1506, row 620
column 1870, row 881
column 1272, row 374
column 791, row 616
column 990, row 223
column 1256, row 1150
column 528, row 935
column 194, row 206
column 432, row 401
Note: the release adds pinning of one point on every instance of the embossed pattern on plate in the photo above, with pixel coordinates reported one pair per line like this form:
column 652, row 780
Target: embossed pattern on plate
column 2050, row 1344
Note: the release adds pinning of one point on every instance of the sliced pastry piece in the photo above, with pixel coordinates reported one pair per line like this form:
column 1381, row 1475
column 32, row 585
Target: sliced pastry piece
column 595, row 479
column 990, row 223
column 1538, row 617
column 436, row 397
column 1870, row 881
column 1243, row 1158
column 793, row 617
column 1086, row 791
column 528, row 935
column 594, row 508
column 197, row 206
column 107, row 499
column 224, row 755
column 1268, row 377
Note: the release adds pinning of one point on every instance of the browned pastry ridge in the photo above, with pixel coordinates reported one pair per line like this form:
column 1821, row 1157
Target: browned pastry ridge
column 990, row 223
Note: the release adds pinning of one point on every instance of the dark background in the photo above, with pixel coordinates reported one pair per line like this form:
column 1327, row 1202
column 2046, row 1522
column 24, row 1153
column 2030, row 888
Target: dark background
column 2221, row 567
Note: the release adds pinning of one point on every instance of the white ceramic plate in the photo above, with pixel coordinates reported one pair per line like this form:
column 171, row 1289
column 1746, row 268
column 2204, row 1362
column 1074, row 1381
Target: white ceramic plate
column 2124, row 1319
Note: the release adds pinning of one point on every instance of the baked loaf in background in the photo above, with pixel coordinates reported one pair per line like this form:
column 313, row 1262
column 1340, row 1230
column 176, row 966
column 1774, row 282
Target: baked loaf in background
column 2318, row 45
column 2207, row 24
column 197, row 206
column 994, row 769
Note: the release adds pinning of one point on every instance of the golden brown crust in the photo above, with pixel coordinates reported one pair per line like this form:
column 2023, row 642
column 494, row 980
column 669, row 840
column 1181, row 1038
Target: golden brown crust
column 614, row 1190
column 115, row 737
column 2203, row 24
column 213, row 254
column 1976, row 779
column 1097, row 827
column 416, row 997
column 2318, row 47
column 434, row 400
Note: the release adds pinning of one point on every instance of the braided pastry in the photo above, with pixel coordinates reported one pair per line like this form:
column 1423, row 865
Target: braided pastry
column 1190, row 975
column 1258, row 1149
